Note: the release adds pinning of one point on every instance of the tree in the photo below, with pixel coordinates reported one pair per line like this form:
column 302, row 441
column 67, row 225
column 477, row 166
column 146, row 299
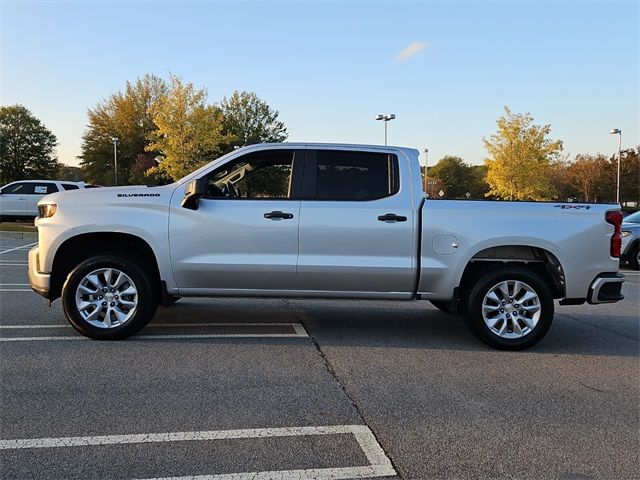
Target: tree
column 27, row 147
column 520, row 158
column 70, row 173
column 248, row 119
column 629, row 176
column 188, row 132
column 478, row 187
column 126, row 115
column 587, row 174
column 454, row 173
column 145, row 171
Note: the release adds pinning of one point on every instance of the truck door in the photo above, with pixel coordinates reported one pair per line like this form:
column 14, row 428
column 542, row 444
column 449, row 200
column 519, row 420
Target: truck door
column 244, row 235
column 356, row 225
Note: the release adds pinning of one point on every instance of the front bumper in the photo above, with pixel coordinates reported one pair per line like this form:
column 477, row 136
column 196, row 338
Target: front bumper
column 40, row 282
column 606, row 288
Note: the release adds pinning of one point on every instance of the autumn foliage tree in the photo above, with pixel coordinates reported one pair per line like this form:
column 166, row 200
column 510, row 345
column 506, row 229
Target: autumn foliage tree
column 520, row 158
column 188, row 131
column 126, row 115
column 587, row 175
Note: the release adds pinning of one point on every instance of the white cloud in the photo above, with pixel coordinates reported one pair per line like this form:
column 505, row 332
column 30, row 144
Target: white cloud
column 411, row 50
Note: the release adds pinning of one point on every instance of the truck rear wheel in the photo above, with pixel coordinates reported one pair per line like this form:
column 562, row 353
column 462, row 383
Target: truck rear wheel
column 510, row 308
column 108, row 297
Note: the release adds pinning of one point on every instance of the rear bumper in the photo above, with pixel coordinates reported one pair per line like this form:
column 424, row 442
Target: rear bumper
column 40, row 282
column 606, row 288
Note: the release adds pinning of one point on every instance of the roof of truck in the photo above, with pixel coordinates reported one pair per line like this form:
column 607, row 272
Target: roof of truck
column 333, row 145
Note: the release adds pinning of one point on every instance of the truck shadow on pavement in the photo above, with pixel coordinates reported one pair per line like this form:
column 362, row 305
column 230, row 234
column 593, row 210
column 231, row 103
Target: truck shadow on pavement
column 399, row 325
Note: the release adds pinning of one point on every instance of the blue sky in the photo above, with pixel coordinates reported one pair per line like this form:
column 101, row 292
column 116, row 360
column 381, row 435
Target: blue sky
column 330, row 67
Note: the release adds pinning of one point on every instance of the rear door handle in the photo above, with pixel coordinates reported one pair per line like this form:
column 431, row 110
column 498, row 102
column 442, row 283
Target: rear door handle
column 392, row 217
column 277, row 215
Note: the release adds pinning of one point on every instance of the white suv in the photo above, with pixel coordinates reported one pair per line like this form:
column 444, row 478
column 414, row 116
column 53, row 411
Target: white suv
column 20, row 199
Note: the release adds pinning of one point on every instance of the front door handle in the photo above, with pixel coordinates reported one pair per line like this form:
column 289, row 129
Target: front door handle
column 392, row 217
column 277, row 215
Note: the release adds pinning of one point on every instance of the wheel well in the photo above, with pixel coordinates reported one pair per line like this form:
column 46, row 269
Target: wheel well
column 537, row 260
column 78, row 248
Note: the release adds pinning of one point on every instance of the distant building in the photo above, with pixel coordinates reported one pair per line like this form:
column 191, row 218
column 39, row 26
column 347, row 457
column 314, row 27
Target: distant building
column 434, row 187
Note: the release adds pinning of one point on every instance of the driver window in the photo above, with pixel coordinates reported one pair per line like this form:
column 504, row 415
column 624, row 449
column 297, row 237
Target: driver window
column 259, row 175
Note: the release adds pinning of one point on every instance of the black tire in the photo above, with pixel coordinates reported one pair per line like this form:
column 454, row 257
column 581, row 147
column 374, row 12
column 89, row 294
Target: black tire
column 146, row 296
column 634, row 261
column 485, row 284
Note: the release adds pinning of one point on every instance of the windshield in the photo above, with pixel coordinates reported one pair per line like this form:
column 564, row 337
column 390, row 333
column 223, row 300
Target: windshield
column 633, row 218
column 205, row 167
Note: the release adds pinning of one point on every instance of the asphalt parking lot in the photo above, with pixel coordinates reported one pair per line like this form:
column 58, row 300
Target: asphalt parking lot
column 241, row 389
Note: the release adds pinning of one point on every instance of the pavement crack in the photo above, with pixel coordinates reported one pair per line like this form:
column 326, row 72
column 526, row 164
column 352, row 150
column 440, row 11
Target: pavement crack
column 334, row 374
column 592, row 388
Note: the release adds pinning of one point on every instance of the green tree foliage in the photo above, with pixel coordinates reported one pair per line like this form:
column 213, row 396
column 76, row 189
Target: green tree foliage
column 629, row 175
column 248, row 119
column 454, row 173
column 478, row 187
column 27, row 147
column 460, row 178
column 188, row 132
column 128, row 116
column 520, row 158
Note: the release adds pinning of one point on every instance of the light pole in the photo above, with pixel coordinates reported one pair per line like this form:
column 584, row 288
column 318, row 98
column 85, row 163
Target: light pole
column 617, row 131
column 115, row 158
column 385, row 119
column 426, row 161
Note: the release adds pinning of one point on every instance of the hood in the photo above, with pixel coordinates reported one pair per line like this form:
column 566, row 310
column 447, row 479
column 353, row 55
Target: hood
column 110, row 195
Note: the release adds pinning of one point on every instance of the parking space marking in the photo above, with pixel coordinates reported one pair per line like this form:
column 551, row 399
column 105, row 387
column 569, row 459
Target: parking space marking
column 379, row 463
column 15, row 290
column 298, row 331
column 21, row 247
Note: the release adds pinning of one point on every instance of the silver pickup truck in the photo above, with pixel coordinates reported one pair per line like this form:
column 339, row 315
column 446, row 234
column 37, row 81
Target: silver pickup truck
column 322, row 221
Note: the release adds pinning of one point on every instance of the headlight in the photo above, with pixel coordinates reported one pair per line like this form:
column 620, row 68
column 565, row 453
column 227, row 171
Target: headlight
column 625, row 233
column 47, row 210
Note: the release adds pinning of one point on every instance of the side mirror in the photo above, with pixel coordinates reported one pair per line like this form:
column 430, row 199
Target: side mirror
column 194, row 191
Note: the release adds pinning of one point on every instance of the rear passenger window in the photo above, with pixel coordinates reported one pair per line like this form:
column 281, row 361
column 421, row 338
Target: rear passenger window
column 44, row 188
column 69, row 186
column 343, row 175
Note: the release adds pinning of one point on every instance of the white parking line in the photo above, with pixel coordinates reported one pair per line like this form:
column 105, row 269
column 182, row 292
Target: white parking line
column 298, row 331
column 169, row 325
column 21, row 247
column 379, row 463
column 15, row 290
column 14, row 284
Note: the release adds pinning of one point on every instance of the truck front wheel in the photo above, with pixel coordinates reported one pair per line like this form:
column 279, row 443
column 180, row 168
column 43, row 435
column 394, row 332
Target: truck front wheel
column 510, row 308
column 108, row 297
